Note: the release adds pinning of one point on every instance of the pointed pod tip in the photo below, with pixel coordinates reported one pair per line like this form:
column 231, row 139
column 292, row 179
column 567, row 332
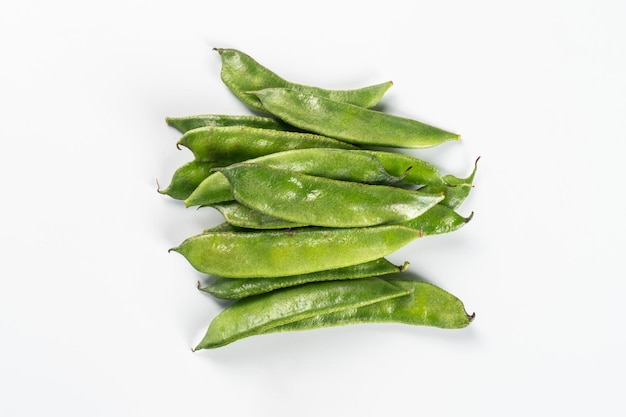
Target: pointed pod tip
column 470, row 217
column 404, row 266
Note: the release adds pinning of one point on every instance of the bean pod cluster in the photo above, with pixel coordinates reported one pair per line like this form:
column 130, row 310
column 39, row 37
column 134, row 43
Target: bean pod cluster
column 312, row 206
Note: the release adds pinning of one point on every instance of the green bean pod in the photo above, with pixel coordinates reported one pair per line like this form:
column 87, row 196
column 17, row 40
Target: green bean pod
column 349, row 123
column 338, row 164
column 235, row 289
column 256, row 314
column 187, row 178
column 242, row 74
column 412, row 170
column 276, row 253
column 318, row 201
column 231, row 144
column 236, row 214
column 186, row 123
column 456, row 190
column 425, row 305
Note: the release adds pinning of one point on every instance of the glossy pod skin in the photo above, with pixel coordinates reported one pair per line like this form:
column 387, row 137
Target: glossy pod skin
column 275, row 253
column 242, row 74
column 425, row 305
column 187, row 123
column 235, row 289
column 228, row 145
column 318, row 201
column 338, row 164
column 257, row 314
column 349, row 123
column 187, row 178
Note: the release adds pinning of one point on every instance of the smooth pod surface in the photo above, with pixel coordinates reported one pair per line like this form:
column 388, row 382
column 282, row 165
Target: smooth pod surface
column 186, row 123
column 231, row 144
column 350, row 123
column 241, row 73
column 234, row 289
column 319, row 201
column 339, row 164
column 256, row 314
column 275, row 253
column 425, row 305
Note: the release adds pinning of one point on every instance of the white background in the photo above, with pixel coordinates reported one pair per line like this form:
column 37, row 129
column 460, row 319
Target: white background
column 98, row 319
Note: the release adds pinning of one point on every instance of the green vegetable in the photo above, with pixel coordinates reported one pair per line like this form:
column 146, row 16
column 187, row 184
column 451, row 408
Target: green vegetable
column 425, row 305
column 184, row 124
column 321, row 201
column 242, row 74
column 275, row 253
column 228, row 145
column 257, row 314
column 339, row 164
column 234, row 288
column 350, row 123
column 187, row 178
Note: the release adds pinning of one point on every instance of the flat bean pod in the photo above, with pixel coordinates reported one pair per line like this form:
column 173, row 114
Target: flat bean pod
column 425, row 305
column 412, row 170
column 242, row 74
column 456, row 190
column 187, row 178
column 256, row 314
column 318, row 201
column 231, row 144
column 339, row 164
column 186, row 123
column 238, row 215
column 349, row 123
column 235, row 289
column 276, row 253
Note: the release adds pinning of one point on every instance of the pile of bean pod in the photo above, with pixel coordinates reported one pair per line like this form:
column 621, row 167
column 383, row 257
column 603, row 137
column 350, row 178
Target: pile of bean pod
column 312, row 206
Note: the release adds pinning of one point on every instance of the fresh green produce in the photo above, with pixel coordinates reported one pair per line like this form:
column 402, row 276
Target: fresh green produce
column 425, row 305
column 235, row 289
column 187, row 178
column 319, row 201
column 338, row 164
column 312, row 206
column 350, row 123
column 274, row 253
column 186, row 123
column 236, row 214
column 231, row 144
column 243, row 74
column 257, row 314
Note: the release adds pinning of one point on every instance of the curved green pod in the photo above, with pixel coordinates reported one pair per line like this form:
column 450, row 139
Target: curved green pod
column 318, row 201
column 242, row 74
column 235, row 289
column 413, row 170
column 456, row 189
column 425, row 305
column 186, row 178
column 349, row 123
column 276, row 253
column 338, row 164
column 187, row 123
column 256, row 314
column 238, row 215
column 231, row 144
